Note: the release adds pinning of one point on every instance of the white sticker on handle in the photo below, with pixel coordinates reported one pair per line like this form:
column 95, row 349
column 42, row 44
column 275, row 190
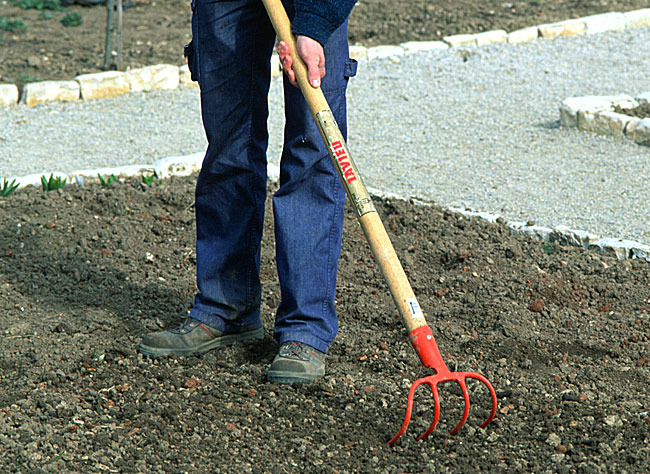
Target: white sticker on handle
column 414, row 308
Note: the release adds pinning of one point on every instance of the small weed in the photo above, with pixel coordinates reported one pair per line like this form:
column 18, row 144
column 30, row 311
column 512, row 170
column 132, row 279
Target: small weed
column 106, row 182
column 72, row 19
column 148, row 180
column 26, row 79
column 44, row 15
column 549, row 248
column 54, row 5
column 11, row 25
column 52, row 183
column 7, row 187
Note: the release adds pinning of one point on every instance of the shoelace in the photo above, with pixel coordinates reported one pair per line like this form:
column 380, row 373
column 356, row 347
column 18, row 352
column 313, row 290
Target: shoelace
column 296, row 349
column 185, row 327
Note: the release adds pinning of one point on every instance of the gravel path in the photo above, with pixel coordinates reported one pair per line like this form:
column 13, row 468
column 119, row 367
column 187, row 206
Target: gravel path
column 476, row 128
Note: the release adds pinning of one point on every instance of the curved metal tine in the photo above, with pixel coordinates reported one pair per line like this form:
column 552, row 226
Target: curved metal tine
column 463, row 387
column 409, row 411
column 493, row 394
column 436, row 416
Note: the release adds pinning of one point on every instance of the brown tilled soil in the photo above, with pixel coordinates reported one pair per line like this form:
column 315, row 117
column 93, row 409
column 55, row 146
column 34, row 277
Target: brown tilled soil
column 642, row 111
column 562, row 333
column 156, row 30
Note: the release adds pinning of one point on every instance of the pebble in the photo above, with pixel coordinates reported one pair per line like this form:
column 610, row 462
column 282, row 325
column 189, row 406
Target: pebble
column 553, row 440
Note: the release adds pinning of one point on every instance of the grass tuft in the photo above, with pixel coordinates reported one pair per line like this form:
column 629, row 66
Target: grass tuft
column 53, row 183
column 7, row 188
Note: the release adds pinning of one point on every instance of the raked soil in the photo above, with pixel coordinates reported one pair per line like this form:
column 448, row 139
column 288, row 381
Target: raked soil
column 561, row 332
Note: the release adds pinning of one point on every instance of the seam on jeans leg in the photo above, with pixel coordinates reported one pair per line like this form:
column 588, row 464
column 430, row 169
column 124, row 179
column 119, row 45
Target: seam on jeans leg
column 326, row 300
column 198, row 46
column 251, row 179
column 337, row 208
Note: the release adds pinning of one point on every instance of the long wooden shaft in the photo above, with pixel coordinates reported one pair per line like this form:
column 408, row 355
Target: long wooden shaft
column 374, row 230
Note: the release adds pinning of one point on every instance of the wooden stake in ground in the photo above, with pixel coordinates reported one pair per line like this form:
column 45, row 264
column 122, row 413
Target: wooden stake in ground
column 113, row 29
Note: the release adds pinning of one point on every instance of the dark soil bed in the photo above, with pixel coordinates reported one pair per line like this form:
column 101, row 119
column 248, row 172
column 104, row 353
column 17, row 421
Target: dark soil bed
column 561, row 332
column 642, row 111
column 156, row 30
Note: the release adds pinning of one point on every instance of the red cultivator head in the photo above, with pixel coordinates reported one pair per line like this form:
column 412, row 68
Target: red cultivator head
column 426, row 347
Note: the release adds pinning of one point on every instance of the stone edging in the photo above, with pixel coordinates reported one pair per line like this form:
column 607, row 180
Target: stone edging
column 622, row 249
column 596, row 114
column 165, row 76
column 188, row 164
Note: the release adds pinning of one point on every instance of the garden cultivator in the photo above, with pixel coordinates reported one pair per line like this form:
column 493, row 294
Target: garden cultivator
column 420, row 334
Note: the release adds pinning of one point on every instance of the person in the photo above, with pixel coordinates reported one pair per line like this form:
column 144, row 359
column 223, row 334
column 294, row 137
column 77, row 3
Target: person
column 229, row 56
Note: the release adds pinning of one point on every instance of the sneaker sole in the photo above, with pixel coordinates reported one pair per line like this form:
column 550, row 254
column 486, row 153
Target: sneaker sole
column 219, row 341
column 286, row 377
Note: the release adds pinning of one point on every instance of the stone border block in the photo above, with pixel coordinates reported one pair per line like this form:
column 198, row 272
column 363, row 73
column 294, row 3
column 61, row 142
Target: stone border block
column 566, row 235
column 178, row 165
column 8, row 95
column 620, row 248
column 417, row 46
column 276, row 68
column 613, row 21
column 604, row 123
column 639, row 131
column 103, row 85
column 596, row 114
column 491, row 37
column 455, row 41
column 562, row 28
column 151, row 78
column 637, row 18
column 384, row 52
column 523, row 35
column 643, row 98
column 185, row 77
column 536, row 231
column 47, row 91
column 358, row 52
column 570, row 107
column 273, row 173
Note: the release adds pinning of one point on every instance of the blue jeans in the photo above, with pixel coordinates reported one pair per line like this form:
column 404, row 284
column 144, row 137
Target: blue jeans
column 230, row 57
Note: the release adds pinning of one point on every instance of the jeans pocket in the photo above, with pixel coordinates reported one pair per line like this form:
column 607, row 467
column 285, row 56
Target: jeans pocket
column 350, row 69
column 190, row 55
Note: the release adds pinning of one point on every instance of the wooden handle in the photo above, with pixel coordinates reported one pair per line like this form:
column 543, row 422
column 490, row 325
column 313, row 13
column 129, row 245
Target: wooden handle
column 314, row 96
column 374, row 230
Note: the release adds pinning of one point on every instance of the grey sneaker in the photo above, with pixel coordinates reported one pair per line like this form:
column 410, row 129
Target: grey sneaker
column 296, row 362
column 192, row 337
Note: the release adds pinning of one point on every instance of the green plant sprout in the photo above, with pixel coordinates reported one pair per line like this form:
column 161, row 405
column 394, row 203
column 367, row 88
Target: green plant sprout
column 149, row 179
column 72, row 19
column 11, row 25
column 40, row 5
column 26, row 79
column 106, row 182
column 548, row 248
column 7, row 187
column 52, row 183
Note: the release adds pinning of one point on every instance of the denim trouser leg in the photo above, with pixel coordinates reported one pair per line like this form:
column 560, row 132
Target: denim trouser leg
column 233, row 42
column 308, row 211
